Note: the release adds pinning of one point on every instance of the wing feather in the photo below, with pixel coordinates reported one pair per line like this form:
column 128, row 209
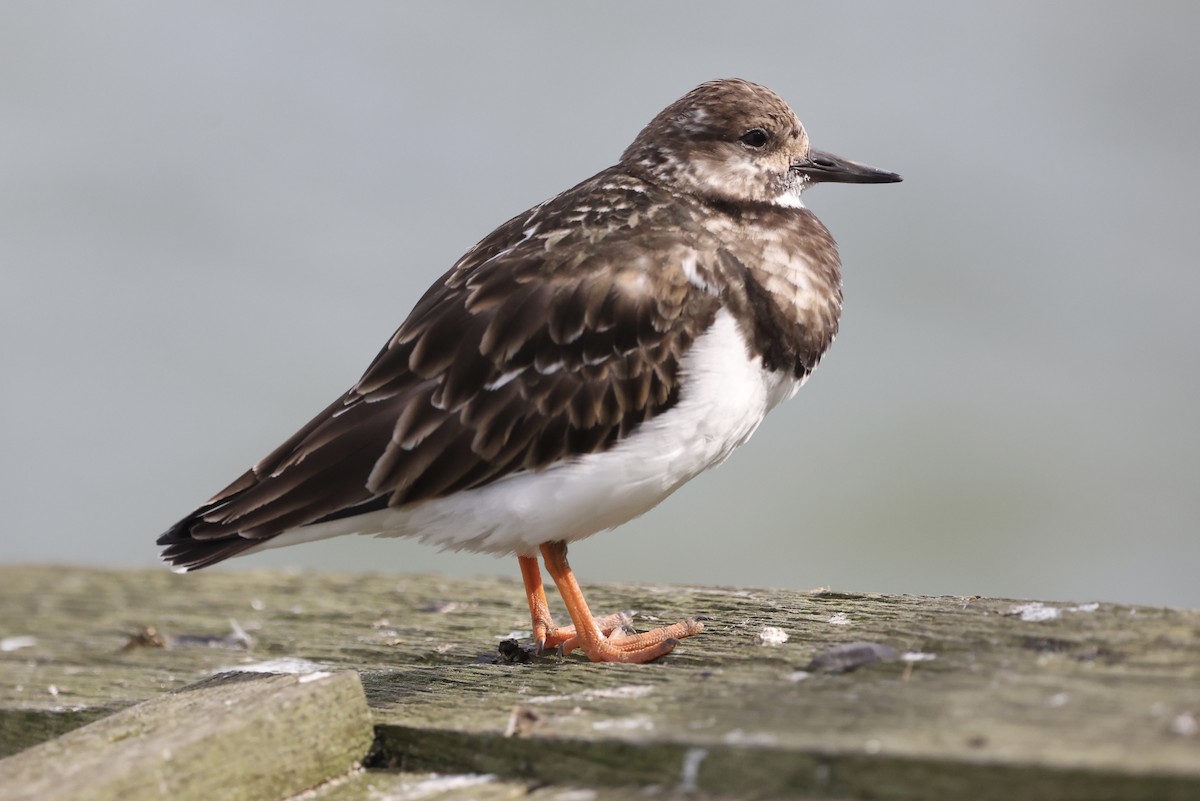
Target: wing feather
column 534, row 348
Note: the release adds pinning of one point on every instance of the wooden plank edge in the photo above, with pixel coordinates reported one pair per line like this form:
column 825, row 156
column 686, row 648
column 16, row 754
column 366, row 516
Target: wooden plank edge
column 721, row 770
column 25, row 728
column 239, row 737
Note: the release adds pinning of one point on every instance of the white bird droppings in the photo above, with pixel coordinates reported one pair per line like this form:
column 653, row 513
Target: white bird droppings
column 691, row 768
column 771, row 636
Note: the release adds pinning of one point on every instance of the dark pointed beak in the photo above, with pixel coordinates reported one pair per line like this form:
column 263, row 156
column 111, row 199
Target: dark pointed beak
column 822, row 166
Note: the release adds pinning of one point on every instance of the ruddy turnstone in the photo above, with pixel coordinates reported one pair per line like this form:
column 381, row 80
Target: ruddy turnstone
column 576, row 367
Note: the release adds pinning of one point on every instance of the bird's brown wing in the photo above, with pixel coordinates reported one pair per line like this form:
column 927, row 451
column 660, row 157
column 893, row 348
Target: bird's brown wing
column 554, row 337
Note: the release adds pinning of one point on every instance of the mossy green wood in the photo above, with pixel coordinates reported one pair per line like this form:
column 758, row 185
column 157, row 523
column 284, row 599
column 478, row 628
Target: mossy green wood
column 246, row 738
column 1081, row 701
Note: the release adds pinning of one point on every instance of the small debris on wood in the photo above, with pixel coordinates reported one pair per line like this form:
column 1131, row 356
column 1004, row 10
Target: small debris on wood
column 910, row 658
column 850, row 656
column 286, row 664
column 631, row 723
column 153, row 637
column 692, row 759
column 510, row 652
column 771, row 636
column 1034, row 612
column 16, row 643
column 1185, row 725
column 236, row 638
column 523, row 721
column 148, row 637
column 1038, row 612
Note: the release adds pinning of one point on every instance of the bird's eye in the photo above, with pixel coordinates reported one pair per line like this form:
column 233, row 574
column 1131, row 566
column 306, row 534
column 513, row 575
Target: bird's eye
column 754, row 138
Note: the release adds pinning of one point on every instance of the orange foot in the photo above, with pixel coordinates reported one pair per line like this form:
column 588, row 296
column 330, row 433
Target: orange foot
column 603, row 639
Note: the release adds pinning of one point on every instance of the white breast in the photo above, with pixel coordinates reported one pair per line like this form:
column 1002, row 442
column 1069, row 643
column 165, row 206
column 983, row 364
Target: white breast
column 724, row 396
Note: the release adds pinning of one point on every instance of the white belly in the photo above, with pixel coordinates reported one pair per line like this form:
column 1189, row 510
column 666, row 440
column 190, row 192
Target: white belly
column 724, row 397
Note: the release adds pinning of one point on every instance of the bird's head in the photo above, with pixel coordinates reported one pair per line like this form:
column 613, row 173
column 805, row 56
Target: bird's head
column 735, row 141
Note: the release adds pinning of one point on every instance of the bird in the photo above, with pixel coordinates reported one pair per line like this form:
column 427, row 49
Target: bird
column 575, row 367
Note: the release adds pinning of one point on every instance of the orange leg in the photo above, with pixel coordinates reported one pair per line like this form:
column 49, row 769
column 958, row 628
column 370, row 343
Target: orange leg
column 587, row 634
column 545, row 633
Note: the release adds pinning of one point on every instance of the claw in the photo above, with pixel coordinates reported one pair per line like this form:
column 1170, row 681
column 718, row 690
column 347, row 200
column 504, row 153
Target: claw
column 606, row 639
column 596, row 638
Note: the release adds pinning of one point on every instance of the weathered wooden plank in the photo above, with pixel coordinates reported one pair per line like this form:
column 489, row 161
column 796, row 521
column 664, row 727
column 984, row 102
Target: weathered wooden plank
column 380, row 785
column 248, row 737
column 1062, row 701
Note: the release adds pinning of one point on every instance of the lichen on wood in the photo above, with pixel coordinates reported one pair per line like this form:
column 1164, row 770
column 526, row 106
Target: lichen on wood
column 1057, row 700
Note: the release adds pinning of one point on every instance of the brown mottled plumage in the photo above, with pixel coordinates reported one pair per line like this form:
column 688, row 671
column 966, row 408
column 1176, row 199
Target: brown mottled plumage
column 559, row 337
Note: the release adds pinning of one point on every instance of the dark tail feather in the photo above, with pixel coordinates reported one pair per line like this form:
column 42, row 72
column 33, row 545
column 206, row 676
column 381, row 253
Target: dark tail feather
column 183, row 551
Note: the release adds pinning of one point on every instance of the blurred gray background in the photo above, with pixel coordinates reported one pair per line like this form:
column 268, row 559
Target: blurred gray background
column 213, row 214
